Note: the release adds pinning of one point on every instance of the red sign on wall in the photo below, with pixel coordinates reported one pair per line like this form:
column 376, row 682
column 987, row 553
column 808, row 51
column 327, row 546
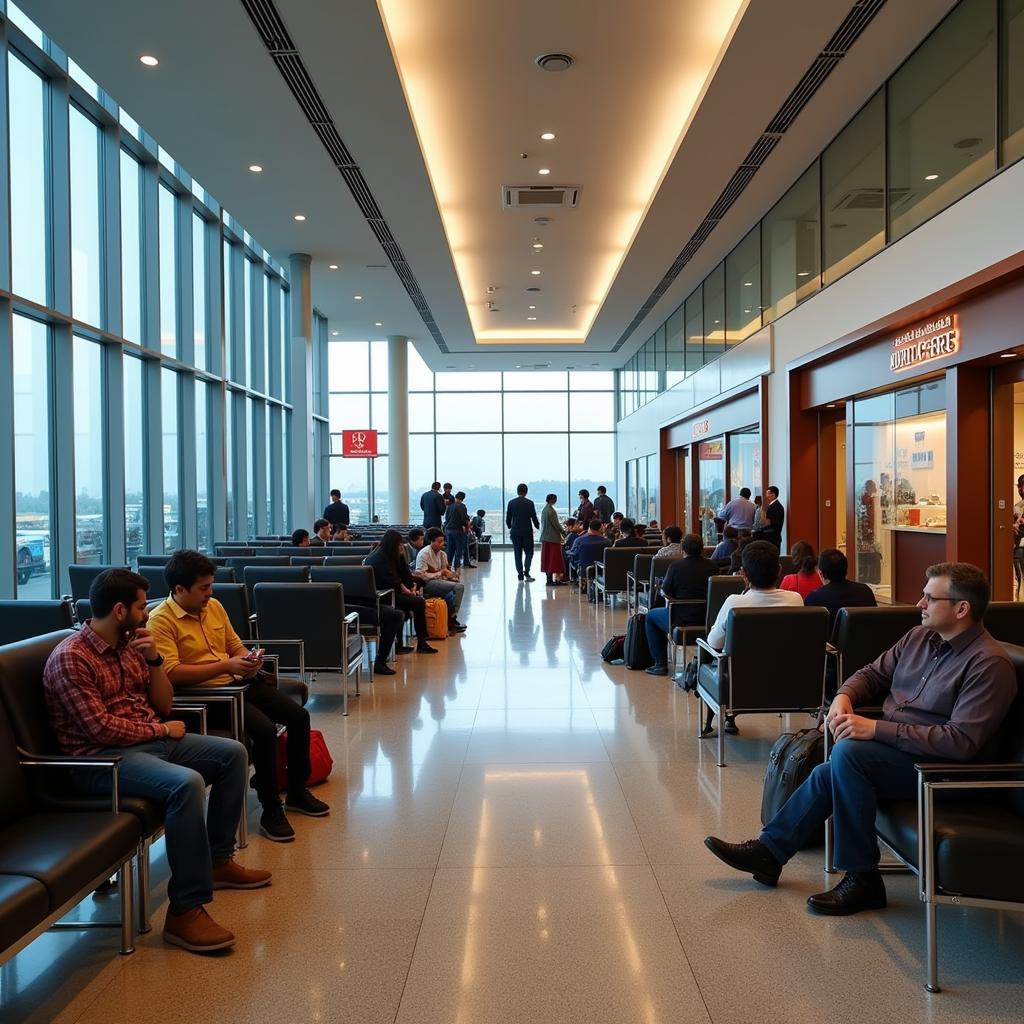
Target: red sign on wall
column 359, row 444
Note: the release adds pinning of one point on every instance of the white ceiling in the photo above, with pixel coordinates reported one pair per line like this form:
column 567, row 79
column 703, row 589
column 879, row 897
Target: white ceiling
column 217, row 103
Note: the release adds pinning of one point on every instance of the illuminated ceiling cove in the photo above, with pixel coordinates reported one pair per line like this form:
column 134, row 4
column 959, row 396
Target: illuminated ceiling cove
column 480, row 105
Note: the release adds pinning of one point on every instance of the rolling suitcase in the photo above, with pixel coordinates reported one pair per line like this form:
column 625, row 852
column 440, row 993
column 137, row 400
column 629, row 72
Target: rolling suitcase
column 483, row 550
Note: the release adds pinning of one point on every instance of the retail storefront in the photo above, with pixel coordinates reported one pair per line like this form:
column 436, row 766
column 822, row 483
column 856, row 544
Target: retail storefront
column 911, row 438
column 708, row 456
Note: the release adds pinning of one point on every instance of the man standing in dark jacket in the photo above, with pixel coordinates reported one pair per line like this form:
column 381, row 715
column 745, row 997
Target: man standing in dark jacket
column 586, row 510
column 604, row 507
column 456, row 526
column 336, row 513
column 433, row 506
column 774, row 516
column 521, row 520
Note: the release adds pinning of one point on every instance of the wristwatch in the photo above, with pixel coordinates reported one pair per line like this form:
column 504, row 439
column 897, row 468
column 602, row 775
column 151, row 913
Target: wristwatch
column 156, row 662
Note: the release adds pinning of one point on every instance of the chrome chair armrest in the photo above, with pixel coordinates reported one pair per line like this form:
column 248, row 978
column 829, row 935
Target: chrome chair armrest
column 708, row 649
column 29, row 760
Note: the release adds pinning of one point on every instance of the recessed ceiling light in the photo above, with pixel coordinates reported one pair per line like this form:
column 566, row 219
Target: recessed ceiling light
column 831, row 405
column 544, row 170
column 332, row 266
column 535, row 273
column 930, row 177
column 531, row 318
column 358, row 298
column 538, row 245
column 718, row 321
column 533, row 307
column 256, row 168
column 378, row 324
column 748, row 284
column 335, row 333
column 803, row 273
column 1007, row 355
column 547, row 136
column 149, row 60
column 300, row 216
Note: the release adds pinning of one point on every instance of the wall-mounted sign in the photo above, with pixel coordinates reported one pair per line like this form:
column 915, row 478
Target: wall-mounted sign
column 359, row 444
column 700, row 428
column 922, row 460
column 710, row 451
column 925, row 342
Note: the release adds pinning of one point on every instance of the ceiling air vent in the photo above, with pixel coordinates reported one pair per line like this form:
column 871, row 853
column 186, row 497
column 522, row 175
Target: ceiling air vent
column 554, row 61
column 872, row 198
column 515, row 196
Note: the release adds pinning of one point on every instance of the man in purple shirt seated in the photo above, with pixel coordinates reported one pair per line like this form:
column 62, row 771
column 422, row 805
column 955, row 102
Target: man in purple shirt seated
column 945, row 688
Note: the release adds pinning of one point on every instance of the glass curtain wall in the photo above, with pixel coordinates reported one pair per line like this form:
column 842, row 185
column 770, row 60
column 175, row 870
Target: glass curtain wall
column 948, row 119
column 144, row 343
column 483, row 432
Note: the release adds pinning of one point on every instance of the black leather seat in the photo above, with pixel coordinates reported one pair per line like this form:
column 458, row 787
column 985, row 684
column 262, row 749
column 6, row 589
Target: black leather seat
column 20, row 620
column 253, row 574
column 611, row 570
column 157, row 581
column 860, row 635
column 239, row 562
column 345, row 559
column 733, row 681
column 1005, row 621
column 24, row 905
column 358, row 580
column 307, row 559
column 81, row 577
column 719, row 588
column 315, row 614
column 651, row 597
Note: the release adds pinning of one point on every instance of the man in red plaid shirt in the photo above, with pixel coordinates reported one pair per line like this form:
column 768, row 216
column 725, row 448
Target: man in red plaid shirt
column 108, row 694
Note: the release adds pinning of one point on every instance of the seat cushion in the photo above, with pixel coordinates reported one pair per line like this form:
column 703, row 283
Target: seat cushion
column 65, row 852
column 688, row 634
column 24, row 903
column 708, row 679
column 979, row 846
column 149, row 812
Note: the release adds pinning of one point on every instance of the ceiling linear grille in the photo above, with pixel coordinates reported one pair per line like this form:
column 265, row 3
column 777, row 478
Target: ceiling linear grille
column 279, row 44
column 853, row 25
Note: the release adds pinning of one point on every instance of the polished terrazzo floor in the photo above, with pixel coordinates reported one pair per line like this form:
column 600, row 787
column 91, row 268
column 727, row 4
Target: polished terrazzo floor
column 516, row 836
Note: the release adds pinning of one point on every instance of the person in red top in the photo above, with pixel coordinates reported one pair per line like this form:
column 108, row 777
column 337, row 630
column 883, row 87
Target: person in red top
column 806, row 579
column 107, row 693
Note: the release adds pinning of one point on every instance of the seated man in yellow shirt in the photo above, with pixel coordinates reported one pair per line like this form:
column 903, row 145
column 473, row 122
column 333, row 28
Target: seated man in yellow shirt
column 199, row 645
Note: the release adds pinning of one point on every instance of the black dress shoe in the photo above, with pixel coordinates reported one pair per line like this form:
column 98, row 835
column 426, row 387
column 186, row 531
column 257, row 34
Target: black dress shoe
column 404, row 649
column 382, row 668
column 753, row 857
column 425, row 648
column 730, row 725
column 856, row 892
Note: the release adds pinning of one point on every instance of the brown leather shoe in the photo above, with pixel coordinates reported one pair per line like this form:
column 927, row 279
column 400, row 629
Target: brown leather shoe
column 196, row 931
column 231, row 875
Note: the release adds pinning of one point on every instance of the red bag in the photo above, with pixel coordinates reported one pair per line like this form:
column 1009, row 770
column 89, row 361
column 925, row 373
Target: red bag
column 320, row 760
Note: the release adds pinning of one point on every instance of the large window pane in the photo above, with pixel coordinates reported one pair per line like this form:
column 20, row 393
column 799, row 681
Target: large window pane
column 1012, row 84
column 30, row 227
column 592, row 410
column 348, row 366
column 229, row 451
column 199, row 311
column 541, row 461
column 468, row 413
column 591, row 462
column 592, row 380
column 473, row 466
column 468, row 381
column 853, row 189
column 231, row 349
column 250, row 473
column 675, row 356
column 86, row 261
column 789, row 245
column 527, row 412
column 379, row 412
column 350, row 476
column 420, row 376
column 131, row 248
column 743, row 288
column 168, row 272
column 247, row 342
column 695, row 330
column 134, row 464
column 32, row 458
column 268, row 471
column 286, row 421
column 379, row 365
column 172, row 488
column 204, row 540
column 537, row 380
column 87, row 364
column 349, row 412
column 714, row 313
column 421, row 470
column 942, row 117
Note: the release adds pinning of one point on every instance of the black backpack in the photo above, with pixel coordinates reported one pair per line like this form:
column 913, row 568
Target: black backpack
column 636, row 653
column 613, row 650
column 793, row 757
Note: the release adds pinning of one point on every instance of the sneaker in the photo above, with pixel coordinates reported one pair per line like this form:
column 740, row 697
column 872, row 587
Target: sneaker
column 231, row 875
column 305, row 803
column 196, row 931
column 382, row 668
column 752, row 857
column 470, row 565
column 457, row 627
column 275, row 825
column 424, row 648
column 404, row 649
column 529, row 578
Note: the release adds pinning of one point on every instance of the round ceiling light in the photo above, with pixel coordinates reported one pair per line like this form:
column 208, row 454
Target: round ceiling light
column 149, row 60
column 930, row 177
column 544, row 170
column 547, row 136
column 531, row 318
column 256, row 168
column 300, row 217
column 533, row 307
column 554, row 61
column 378, row 324
column 332, row 266
column 358, row 298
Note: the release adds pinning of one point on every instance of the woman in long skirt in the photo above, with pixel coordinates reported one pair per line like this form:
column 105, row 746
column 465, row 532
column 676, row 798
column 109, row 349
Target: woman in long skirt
column 552, row 563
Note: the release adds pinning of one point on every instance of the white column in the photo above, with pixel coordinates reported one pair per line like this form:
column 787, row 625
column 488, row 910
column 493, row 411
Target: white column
column 302, row 477
column 398, row 428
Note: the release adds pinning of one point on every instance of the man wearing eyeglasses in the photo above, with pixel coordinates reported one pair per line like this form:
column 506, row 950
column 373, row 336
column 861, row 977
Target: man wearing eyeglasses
column 945, row 689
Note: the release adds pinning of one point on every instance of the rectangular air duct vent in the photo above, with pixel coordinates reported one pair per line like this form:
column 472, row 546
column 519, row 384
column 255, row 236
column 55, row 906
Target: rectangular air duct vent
column 873, row 198
column 514, row 196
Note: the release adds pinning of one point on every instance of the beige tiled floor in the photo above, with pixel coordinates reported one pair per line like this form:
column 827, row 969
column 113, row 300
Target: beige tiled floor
column 516, row 836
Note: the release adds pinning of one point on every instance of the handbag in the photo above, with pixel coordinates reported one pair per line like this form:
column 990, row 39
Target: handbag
column 320, row 761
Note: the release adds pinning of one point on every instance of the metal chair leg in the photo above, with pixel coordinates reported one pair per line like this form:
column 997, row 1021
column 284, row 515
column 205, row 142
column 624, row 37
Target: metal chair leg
column 124, row 885
column 243, row 820
column 932, row 943
column 721, row 737
column 142, row 882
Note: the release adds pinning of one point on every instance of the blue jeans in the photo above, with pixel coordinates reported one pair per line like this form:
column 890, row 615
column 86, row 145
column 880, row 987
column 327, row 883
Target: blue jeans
column 455, row 542
column 452, row 593
column 656, row 627
column 175, row 773
column 848, row 786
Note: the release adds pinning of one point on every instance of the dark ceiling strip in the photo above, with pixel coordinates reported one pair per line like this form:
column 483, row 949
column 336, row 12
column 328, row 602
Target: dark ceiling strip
column 279, row 45
column 855, row 22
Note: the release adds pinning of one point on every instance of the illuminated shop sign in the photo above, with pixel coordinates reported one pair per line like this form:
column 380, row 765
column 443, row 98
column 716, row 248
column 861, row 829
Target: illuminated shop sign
column 700, row 428
column 925, row 342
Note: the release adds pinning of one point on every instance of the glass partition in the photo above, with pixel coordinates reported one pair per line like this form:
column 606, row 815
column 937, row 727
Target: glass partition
column 743, row 288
